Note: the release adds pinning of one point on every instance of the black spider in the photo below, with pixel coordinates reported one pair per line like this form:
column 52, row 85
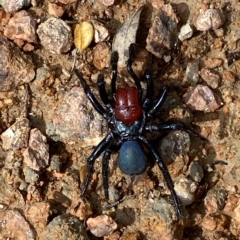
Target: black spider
column 128, row 115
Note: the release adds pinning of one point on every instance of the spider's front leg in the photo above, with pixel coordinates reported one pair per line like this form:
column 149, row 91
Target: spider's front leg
column 102, row 92
column 98, row 107
column 158, row 103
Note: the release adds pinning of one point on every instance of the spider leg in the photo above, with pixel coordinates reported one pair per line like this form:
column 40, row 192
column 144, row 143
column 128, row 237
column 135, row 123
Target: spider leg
column 114, row 61
column 158, row 103
column 105, row 161
column 98, row 107
column 174, row 126
column 106, row 157
column 130, row 70
column 165, row 173
column 95, row 154
column 102, row 92
column 149, row 93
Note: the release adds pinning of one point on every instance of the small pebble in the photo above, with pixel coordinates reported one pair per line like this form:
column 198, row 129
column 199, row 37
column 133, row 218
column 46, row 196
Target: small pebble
column 185, row 189
column 209, row 19
column 213, row 63
column 38, row 214
column 30, row 175
column 175, row 144
column 28, row 47
column 101, row 55
column 81, row 208
column 13, row 223
column 55, row 35
column 16, row 136
column 14, row 5
column 231, row 203
column 21, row 26
column 36, row 156
column 196, row 171
column 16, row 67
column 55, row 10
column 101, row 226
column 191, row 75
column 162, row 37
column 201, row 98
column 157, row 4
column 186, row 32
column 114, row 194
column 219, row 32
column 64, row 227
column 216, row 223
column 236, row 212
column 107, row 3
column 100, row 32
column 228, row 76
column 215, row 200
column 159, row 217
column 210, row 77
column 75, row 118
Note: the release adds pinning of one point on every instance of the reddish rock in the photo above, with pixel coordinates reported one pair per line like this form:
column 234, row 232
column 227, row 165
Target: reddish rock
column 101, row 226
column 38, row 213
column 75, row 118
column 210, row 77
column 101, row 55
column 55, row 35
column 201, row 98
column 210, row 19
column 16, row 136
column 228, row 75
column 213, row 63
column 162, row 37
column 14, row 5
column 16, row 67
column 55, row 10
column 21, row 26
column 15, row 225
column 36, row 156
column 100, row 32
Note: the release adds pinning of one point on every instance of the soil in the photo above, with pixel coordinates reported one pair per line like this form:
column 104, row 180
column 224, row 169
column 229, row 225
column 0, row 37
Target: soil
column 41, row 177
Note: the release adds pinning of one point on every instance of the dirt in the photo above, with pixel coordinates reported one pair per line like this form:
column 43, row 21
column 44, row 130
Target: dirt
column 45, row 203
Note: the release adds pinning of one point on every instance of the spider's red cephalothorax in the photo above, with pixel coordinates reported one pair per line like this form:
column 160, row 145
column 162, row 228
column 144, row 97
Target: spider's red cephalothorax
column 127, row 108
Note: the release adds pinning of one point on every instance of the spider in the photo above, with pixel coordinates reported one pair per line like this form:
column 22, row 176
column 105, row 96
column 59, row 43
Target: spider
column 128, row 114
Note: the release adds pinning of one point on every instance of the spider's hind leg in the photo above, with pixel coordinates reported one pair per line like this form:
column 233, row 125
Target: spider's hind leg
column 166, row 175
column 102, row 146
column 106, row 157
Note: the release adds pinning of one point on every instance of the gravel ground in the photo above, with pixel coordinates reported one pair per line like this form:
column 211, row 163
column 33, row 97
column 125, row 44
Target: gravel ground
column 48, row 126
